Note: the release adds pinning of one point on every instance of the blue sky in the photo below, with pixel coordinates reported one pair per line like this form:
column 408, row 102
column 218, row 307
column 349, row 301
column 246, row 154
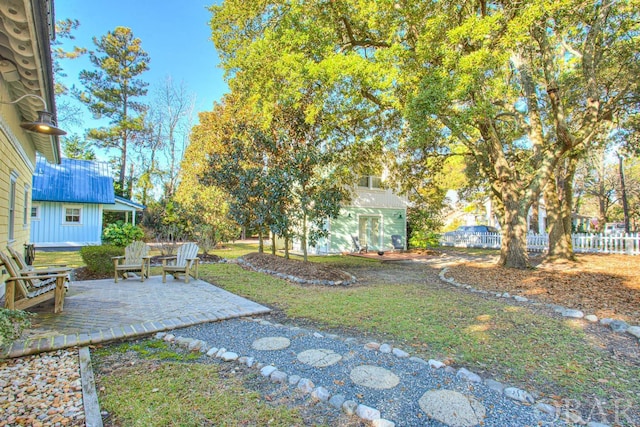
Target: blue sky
column 175, row 34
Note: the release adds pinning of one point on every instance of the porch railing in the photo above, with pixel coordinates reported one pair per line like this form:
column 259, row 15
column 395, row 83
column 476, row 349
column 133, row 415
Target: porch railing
column 628, row 244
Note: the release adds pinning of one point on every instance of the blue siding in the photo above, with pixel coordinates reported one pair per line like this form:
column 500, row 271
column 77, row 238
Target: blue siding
column 50, row 230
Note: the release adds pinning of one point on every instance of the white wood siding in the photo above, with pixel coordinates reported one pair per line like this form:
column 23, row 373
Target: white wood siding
column 378, row 198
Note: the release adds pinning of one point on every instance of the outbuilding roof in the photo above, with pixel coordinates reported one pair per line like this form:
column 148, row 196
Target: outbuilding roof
column 73, row 181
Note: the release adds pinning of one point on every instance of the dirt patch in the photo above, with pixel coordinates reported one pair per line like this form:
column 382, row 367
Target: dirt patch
column 296, row 268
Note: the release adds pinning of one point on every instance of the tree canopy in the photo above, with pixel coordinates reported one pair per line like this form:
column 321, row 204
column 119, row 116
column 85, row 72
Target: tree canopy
column 514, row 87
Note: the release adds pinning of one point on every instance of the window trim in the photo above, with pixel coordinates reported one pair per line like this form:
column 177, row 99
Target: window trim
column 35, row 217
column 64, row 215
column 11, row 220
column 25, row 209
column 370, row 182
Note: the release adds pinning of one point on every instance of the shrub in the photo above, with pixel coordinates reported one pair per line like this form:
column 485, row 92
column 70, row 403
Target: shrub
column 121, row 234
column 98, row 258
column 12, row 323
column 424, row 239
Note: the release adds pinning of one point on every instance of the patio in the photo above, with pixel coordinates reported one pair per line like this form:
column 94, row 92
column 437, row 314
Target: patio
column 100, row 311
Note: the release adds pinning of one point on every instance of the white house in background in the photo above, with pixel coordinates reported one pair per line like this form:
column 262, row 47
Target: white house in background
column 483, row 213
column 373, row 216
column 69, row 200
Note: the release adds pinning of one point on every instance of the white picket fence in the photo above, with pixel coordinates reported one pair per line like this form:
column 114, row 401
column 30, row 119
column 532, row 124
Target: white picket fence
column 627, row 244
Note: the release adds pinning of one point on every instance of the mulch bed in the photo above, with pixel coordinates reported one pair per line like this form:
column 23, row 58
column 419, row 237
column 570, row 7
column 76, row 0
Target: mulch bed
column 604, row 285
column 296, row 268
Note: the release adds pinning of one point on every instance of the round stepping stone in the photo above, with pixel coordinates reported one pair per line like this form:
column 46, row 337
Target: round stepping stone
column 452, row 408
column 319, row 358
column 271, row 343
column 374, row 377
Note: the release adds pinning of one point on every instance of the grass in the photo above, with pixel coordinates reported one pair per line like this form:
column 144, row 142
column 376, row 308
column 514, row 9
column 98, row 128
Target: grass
column 69, row 258
column 147, row 393
column 511, row 342
column 236, row 250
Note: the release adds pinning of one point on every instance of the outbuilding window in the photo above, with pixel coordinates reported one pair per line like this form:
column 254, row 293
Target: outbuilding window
column 72, row 215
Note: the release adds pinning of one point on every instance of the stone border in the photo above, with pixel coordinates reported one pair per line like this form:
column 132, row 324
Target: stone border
column 350, row 407
column 614, row 325
column 302, row 385
column 298, row 279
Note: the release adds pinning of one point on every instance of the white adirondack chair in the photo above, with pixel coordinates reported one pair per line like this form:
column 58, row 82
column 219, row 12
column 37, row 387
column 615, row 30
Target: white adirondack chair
column 136, row 259
column 184, row 262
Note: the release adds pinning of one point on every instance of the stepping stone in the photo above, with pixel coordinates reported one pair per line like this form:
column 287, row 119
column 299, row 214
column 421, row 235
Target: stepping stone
column 374, row 377
column 319, row 358
column 271, row 343
column 452, row 408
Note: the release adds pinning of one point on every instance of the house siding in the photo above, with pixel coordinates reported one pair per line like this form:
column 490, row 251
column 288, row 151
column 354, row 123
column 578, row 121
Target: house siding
column 50, row 229
column 391, row 221
column 18, row 160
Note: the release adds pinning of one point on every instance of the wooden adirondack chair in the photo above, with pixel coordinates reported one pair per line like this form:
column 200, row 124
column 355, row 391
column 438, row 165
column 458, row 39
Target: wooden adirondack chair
column 26, row 289
column 136, row 259
column 185, row 262
column 356, row 245
column 45, row 269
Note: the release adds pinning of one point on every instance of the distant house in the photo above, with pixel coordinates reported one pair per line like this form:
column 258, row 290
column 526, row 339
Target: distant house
column 373, row 216
column 69, row 201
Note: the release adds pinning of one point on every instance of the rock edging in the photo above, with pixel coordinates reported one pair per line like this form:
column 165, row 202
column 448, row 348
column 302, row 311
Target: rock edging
column 618, row 326
column 301, row 385
column 299, row 280
column 363, row 411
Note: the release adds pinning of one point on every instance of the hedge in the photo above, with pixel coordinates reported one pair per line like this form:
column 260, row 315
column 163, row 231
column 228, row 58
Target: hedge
column 98, row 258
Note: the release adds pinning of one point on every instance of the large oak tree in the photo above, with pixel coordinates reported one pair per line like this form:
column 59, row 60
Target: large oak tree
column 519, row 86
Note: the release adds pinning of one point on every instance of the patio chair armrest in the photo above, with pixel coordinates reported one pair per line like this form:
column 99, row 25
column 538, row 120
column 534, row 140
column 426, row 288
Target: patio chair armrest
column 166, row 259
column 42, row 271
column 40, row 277
column 117, row 257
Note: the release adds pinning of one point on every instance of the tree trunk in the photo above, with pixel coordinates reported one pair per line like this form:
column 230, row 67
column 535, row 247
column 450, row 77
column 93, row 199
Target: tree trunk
column 273, row 243
column 260, row 241
column 304, row 236
column 513, row 253
column 286, row 247
column 623, row 195
column 558, row 200
column 558, row 248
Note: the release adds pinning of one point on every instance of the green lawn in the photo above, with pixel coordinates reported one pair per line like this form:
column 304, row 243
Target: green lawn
column 146, row 393
column 68, row 258
column 493, row 338
column 510, row 343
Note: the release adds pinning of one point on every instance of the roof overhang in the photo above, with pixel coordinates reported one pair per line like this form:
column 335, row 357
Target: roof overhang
column 26, row 29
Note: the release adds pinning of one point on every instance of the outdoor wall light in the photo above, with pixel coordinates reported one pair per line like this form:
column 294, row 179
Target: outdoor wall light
column 44, row 124
column 400, row 215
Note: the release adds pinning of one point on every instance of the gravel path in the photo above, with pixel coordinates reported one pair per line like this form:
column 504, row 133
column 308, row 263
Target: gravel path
column 398, row 403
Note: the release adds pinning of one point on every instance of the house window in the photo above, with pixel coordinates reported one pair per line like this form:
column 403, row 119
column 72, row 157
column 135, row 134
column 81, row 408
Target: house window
column 72, row 215
column 35, row 212
column 25, row 210
column 12, row 205
column 370, row 182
